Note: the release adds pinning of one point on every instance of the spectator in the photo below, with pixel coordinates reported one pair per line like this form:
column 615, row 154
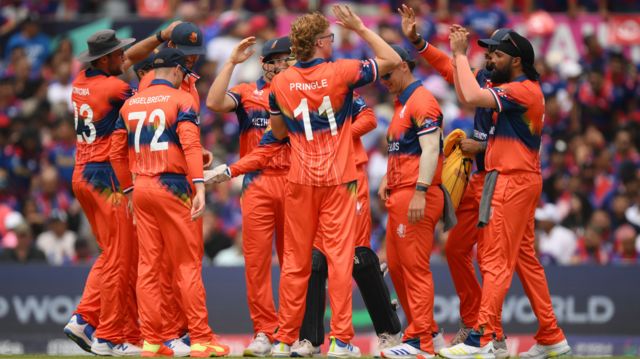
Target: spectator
column 24, row 251
column 215, row 239
column 483, row 18
column 82, row 251
column 58, row 242
column 59, row 90
column 61, row 154
column 626, row 251
column 232, row 256
column 36, row 44
column 554, row 240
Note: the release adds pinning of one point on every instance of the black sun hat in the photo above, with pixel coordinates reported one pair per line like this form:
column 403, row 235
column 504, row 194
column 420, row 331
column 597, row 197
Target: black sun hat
column 102, row 43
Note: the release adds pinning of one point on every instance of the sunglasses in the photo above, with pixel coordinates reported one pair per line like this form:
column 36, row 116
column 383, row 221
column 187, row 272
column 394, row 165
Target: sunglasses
column 331, row 35
column 508, row 38
column 188, row 73
column 278, row 61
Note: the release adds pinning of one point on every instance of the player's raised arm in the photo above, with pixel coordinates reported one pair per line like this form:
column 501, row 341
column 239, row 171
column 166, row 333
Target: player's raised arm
column 218, row 99
column 386, row 58
column 142, row 49
column 467, row 84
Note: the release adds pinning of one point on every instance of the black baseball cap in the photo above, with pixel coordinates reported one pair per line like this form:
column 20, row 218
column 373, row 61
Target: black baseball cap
column 281, row 45
column 145, row 64
column 495, row 38
column 188, row 38
column 404, row 56
column 170, row 57
column 516, row 45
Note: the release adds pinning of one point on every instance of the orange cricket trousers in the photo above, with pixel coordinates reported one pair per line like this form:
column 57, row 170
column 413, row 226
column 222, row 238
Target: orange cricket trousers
column 326, row 214
column 262, row 219
column 108, row 302
column 507, row 245
column 363, row 209
column 162, row 207
column 459, row 251
column 408, row 255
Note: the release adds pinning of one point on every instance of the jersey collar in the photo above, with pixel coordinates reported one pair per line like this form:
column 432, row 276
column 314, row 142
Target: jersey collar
column 95, row 72
column 161, row 82
column 307, row 64
column 520, row 78
column 407, row 92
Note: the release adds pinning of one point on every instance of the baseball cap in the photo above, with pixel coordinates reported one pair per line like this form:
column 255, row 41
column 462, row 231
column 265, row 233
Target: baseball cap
column 516, row 45
column 188, row 38
column 170, row 57
column 495, row 38
column 281, row 45
column 405, row 56
column 145, row 64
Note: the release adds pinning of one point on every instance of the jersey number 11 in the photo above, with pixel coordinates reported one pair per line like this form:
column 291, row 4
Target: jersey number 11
column 325, row 108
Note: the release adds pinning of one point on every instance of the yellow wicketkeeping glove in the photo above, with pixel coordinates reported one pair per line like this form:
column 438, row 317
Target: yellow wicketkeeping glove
column 457, row 167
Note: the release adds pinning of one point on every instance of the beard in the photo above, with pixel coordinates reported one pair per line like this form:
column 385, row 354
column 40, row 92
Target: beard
column 501, row 76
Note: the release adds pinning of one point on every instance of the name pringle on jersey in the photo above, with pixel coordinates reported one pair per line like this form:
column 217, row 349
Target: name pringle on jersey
column 148, row 100
column 308, row 86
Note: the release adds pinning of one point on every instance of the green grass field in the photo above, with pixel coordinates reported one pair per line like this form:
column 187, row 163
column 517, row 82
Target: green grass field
column 87, row 356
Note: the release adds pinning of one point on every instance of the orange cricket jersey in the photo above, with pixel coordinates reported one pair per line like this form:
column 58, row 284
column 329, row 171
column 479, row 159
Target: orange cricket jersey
column 364, row 121
column 315, row 100
column 252, row 110
column 188, row 85
column 163, row 136
column 514, row 144
column 417, row 113
column 97, row 98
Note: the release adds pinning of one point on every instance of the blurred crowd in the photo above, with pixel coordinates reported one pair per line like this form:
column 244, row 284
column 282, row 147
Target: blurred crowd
column 589, row 213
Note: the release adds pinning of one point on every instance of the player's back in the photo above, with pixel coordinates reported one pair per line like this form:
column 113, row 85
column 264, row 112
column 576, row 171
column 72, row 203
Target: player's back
column 315, row 100
column 152, row 118
column 96, row 99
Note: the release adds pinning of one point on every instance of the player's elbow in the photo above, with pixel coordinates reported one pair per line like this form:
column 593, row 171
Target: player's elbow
column 214, row 105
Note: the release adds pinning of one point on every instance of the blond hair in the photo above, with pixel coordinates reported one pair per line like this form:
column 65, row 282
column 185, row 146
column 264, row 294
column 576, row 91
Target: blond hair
column 304, row 33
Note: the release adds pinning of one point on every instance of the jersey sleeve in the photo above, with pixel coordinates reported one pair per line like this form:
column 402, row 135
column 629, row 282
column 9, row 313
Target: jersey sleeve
column 274, row 107
column 189, row 136
column 512, row 96
column 259, row 158
column 120, row 92
column 358, row 73
column 119, row 156
column 364, row 119
column 439, row 60
column 427, row 118
column 236, row 95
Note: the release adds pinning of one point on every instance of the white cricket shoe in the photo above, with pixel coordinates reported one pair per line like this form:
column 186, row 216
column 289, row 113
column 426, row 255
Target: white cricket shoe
column 538, row 351
column 500, row 349
column 280, row 349
column 304, row 349
column 81, row 332
column 107, row 348
column 386, row 340
column 179, row 347
column 404, row 351
column 438, row 342
column 340, row 349
column 464, row 351
column 260, row 346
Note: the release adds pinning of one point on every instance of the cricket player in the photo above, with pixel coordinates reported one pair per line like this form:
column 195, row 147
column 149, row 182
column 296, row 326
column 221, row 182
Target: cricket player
column 415, row 202
column 186, row 37
column 158, row 129
column 311, row 102
column 463, row 237
column 513, row 185
column 107, row 303
column 263, row 191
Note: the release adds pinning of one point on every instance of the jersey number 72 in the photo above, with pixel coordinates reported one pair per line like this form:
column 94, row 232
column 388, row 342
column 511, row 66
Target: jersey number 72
column 141, row 117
